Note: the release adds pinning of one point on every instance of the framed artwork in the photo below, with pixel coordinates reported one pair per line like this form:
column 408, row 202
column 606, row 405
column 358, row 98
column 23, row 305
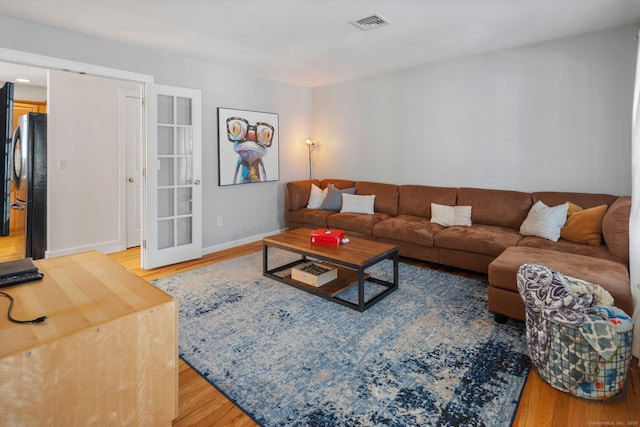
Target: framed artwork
column 247, row 147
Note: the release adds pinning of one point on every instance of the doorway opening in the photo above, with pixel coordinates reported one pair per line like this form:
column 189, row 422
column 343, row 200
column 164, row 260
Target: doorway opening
column 69, row 172
column 29, row 96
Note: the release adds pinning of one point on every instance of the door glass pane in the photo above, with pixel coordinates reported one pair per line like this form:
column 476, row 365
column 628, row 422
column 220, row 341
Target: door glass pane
column 165, row 234
column 183, row 108
column 165, row 171
column 184, row 201
column 165, row 140
column 185, row 170
column 184, row 231
column 185, row 141
column 165, row 203
column 165, row 109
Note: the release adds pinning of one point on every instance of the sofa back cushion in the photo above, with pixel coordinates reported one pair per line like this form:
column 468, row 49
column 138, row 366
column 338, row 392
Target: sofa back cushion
column 502, row 208
column 298, row 192
column 340, row 184
column 584, row 200
column 416, row 199
column 615, row 228
column 386, row 196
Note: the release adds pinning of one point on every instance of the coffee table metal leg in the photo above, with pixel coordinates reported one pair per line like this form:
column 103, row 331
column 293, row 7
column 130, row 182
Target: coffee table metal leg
column 395, row 269
column 265, row 256
column 361, row 289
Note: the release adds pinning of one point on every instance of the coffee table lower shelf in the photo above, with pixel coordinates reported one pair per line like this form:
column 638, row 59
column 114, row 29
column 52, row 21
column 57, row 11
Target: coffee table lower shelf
column 346, row 279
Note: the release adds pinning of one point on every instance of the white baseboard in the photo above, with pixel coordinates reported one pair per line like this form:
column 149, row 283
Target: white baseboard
column 244, row 241
column 106, row 247
column 116, row 246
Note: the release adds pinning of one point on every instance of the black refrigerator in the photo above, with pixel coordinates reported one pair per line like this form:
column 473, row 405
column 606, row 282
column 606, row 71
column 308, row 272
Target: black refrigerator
column 6, row 125
column 30, row 181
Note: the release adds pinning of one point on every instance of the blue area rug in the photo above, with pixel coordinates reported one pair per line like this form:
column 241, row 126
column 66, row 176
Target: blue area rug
column 428, row 354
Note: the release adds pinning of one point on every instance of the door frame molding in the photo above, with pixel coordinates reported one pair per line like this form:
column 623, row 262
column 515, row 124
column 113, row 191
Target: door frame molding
column 42, row 61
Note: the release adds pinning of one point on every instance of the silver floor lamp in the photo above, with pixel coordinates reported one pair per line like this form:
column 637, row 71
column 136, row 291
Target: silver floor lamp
column 312, row 146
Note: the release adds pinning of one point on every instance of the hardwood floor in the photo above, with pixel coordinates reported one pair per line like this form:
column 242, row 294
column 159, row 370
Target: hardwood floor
column 201, row 404
column 11, row 245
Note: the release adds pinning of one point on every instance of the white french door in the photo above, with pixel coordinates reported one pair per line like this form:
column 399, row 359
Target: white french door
column 172, row 224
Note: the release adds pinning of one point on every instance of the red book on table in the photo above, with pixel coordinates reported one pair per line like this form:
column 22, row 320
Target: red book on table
column 327, row 237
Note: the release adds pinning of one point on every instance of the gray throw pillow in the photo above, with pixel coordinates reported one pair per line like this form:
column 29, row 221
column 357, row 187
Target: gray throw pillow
column 333, row 201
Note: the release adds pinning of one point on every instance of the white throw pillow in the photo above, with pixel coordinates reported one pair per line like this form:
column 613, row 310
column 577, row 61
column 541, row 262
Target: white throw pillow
column 353, row 203
column 316, row 197
column 451, row 215
column 544, row 221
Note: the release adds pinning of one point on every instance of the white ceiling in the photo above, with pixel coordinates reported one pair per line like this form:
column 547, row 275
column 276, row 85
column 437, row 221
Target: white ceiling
column 311, row 43
column 10, row 72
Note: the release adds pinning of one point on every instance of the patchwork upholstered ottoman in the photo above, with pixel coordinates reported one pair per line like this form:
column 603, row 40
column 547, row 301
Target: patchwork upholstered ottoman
column 504, row 300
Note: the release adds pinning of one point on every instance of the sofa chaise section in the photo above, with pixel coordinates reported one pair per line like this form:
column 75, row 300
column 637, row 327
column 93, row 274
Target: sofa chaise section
column 605, row 265
column 503, row 295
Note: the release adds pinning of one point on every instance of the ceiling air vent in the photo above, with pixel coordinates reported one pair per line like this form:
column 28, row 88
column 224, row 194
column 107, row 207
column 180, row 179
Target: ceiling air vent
column 369, row 23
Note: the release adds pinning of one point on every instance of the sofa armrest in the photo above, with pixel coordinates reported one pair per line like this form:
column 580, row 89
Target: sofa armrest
column 615, row 228
column 298, row 192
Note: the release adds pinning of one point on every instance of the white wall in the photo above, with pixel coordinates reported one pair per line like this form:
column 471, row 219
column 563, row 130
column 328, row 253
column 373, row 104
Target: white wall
column 248, row 210
column 29, row 93
column 552, row 116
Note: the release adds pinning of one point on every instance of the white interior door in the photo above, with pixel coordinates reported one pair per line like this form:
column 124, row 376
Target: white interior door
column 172, row 223
column 131, row 132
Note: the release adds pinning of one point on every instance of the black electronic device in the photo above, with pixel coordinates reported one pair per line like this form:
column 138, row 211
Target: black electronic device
column 18, row 271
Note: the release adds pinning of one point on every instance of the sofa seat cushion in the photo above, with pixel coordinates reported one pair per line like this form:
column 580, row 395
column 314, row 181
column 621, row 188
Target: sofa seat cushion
column 355, row 222
column 408, row 228
column 479, row 238
column 567, row 247
column 611, row 275
column 316, row 217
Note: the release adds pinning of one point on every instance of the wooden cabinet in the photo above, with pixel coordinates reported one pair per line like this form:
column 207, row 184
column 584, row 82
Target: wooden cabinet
column 23, row 107
column 107, row 354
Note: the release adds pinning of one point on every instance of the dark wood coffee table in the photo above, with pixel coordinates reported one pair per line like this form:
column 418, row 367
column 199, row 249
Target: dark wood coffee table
column 351, row 259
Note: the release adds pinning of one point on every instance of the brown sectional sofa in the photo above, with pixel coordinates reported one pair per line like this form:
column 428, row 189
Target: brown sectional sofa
column 402, row 216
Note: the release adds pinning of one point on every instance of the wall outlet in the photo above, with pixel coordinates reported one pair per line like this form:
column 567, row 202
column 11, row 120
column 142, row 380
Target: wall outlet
column 219, row 221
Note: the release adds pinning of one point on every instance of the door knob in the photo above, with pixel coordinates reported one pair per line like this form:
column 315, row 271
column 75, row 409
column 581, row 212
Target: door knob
column 196, row 182
column 132, row 180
